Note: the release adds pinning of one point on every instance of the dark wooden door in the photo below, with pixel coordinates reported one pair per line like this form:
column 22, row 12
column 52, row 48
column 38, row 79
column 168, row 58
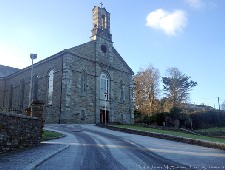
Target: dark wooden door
column 104, row 116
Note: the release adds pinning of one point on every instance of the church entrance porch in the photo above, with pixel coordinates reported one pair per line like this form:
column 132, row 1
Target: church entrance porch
column 104, row 116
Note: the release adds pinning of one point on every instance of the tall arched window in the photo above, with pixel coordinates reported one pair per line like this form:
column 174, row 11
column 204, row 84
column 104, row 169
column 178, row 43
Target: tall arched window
column 50, row 86
column 10, row 96
column 82, row 115
column 21, row 95
column 83, row 83
column 103, row 22
column 122, row 118
column 104, row 87
column 35, row 88
column 122, row 96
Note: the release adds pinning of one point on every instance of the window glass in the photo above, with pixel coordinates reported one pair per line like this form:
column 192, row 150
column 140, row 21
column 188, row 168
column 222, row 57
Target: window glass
column 35, row 88
column 84, row 83
column 21, row 96
column 10, row 96
column 82, row 115
column 122, row 96
column 50, row 86
column 104, row 87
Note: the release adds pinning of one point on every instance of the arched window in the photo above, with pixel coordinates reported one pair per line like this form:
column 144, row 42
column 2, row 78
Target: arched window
column 10, row 96
column 21, row 95
column 82, row 115
column 122, row 117
column 104, row 87
column 122, row 96
column 83, row 83
column 50, row 86
column 103, row 22
column 35, row 88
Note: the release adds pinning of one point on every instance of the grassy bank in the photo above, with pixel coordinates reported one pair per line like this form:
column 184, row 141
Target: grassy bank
column 48, row 135
column 216, row 129
column 173, row 133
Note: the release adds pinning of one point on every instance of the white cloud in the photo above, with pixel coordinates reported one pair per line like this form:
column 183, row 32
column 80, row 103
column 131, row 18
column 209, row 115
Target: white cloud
column 169, row 22
column 197, row 4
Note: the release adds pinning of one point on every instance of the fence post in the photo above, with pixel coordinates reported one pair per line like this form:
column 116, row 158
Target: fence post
column 37, row 109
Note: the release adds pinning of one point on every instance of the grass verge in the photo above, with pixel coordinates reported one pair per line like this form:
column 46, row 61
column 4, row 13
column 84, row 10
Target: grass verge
column 48, row 135
column 173, row 133
column 216, row 129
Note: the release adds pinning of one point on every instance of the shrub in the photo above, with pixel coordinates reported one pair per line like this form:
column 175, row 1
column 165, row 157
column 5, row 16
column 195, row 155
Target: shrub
column 208, row 119
column 175, row 113
column 137, row 116
column 160, row 118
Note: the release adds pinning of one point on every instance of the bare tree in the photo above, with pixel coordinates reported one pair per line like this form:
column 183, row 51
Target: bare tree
column 177, row 86
column 146, row 89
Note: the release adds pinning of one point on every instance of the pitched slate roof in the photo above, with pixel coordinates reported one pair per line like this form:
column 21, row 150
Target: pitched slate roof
column 6, row 70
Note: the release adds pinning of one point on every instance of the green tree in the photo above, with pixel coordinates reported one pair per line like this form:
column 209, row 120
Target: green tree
column 175, row 112
column 177, row 86
column 165, row 105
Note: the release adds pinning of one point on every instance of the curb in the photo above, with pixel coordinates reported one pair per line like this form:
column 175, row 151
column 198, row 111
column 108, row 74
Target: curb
column 168, row 137
column 46, row 157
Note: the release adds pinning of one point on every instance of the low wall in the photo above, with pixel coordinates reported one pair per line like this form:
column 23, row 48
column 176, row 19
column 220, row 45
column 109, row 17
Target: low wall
column 19, row 131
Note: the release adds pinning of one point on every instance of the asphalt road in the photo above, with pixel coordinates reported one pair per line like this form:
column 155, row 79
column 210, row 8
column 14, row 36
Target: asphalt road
column 91, row 147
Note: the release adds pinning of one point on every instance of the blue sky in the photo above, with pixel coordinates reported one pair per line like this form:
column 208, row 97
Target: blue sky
column 187, row 34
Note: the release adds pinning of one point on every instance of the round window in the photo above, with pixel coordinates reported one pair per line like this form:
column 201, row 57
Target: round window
column 104, row 48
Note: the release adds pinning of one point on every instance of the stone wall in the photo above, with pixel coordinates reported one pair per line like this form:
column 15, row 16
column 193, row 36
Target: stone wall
column 74, row 102
column 41, row 70
column 90, row 59
column 19, row 131
column 119, row 72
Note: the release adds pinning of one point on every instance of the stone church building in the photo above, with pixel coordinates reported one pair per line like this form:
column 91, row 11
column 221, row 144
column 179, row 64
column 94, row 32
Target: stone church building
column 89, row 83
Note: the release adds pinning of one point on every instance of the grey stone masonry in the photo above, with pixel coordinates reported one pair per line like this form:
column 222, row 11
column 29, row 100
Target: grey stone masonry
column 18, row 131
column 66, row 89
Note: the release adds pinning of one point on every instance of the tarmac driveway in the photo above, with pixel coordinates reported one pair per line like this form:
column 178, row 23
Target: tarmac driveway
column 92, row 147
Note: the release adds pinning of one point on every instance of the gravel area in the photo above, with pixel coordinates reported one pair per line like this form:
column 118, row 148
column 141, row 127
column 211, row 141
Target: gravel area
column 17, row 160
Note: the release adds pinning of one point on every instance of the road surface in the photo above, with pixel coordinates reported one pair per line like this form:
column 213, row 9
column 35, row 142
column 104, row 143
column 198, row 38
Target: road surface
column 91, row 147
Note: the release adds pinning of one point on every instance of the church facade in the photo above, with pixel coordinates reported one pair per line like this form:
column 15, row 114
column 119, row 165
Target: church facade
column 89, row 83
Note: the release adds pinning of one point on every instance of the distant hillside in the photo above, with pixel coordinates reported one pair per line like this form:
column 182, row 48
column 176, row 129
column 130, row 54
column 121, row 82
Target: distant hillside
column 6, row 70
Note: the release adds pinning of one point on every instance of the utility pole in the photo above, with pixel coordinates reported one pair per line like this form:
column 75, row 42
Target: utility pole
column 32, row 56
column 219, row 102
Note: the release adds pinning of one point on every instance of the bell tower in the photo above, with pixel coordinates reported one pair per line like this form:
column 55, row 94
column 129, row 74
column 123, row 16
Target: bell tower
column 101, row 24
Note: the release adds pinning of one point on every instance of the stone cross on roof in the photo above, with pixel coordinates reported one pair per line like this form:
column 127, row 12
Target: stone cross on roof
column 101, row 4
